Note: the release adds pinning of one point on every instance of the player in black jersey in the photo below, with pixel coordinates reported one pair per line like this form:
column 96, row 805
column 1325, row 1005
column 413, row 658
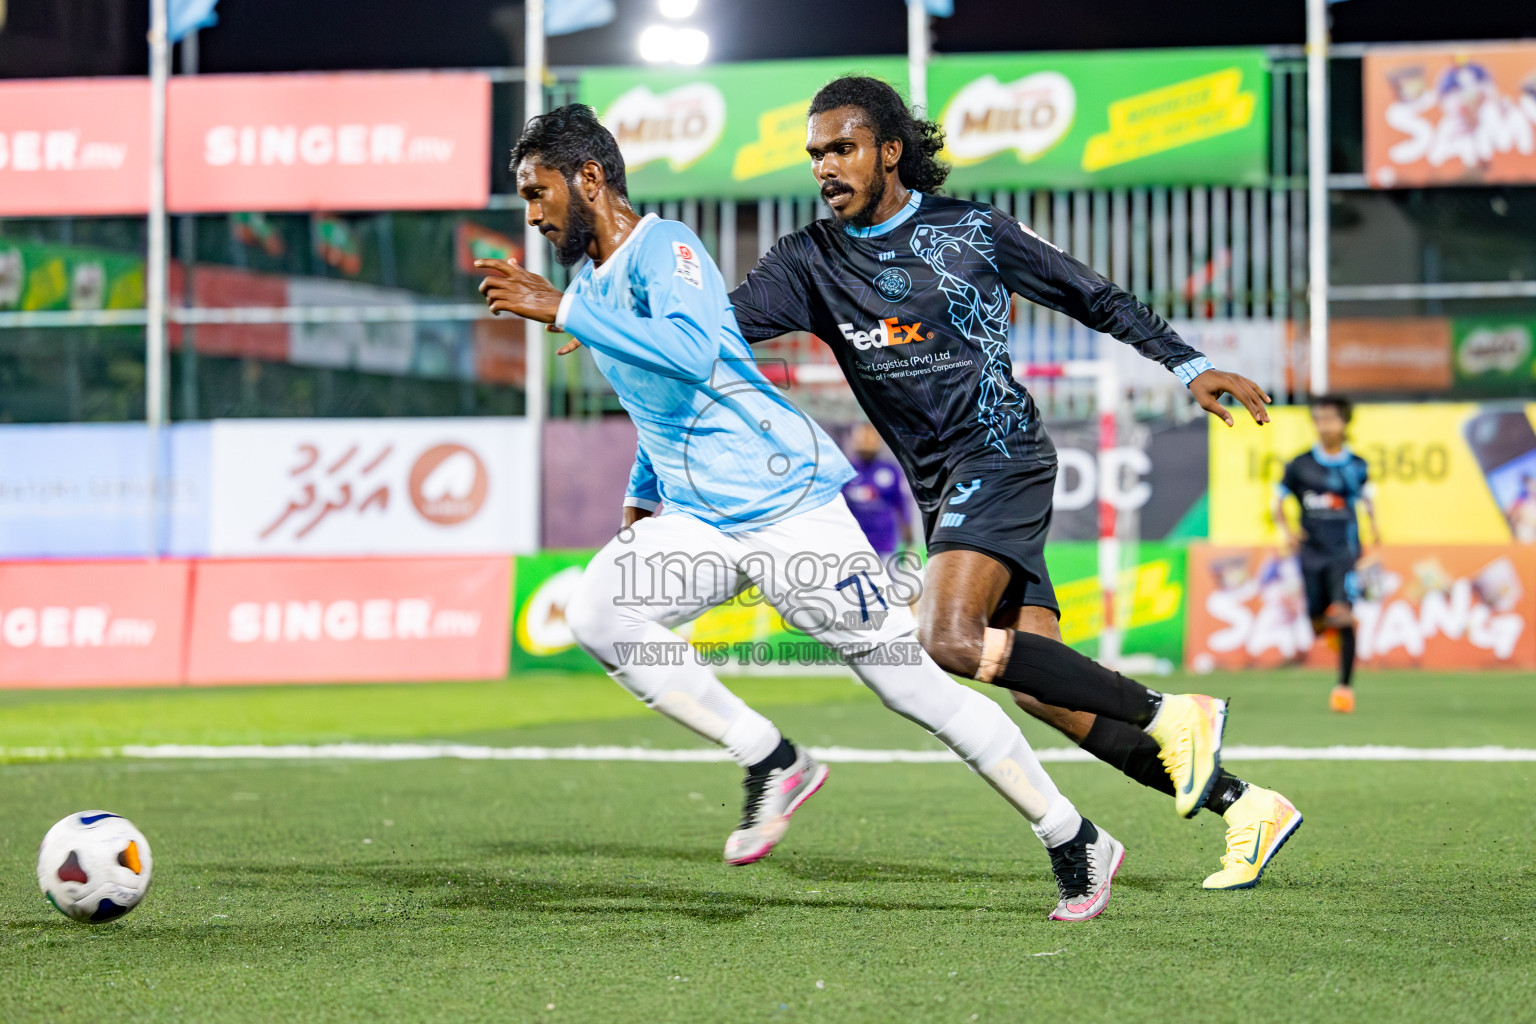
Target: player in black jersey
column 1328, row 482
column 911, row 290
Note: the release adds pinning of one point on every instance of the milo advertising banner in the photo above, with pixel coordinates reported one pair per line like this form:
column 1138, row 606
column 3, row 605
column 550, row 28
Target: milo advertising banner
column 1091, row 120
column 1494, row 355
column 724, row 130
column 751, row 632
column 1013, row 121
column 35, row 276
column 1445, row 473
column 748, row 635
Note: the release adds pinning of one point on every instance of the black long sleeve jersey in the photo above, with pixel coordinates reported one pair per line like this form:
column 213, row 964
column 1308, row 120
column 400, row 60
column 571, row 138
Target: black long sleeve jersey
column 916, row 310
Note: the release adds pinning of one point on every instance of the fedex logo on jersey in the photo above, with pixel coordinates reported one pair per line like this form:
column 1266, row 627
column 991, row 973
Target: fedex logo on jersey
column 1315, row 502
column 884, row 334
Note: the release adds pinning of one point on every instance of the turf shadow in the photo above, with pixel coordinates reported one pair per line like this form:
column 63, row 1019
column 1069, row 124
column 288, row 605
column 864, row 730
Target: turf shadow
column 787, row 862
column 494, row 888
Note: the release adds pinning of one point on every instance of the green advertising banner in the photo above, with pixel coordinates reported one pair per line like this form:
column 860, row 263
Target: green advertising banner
column 541, row 586
column 723, row 130
column 1092, row 120
column 1494, row 356
column 750, row 635
column 35, row 276
column 1150, row 600
column 1071, row 120
column 745, row 632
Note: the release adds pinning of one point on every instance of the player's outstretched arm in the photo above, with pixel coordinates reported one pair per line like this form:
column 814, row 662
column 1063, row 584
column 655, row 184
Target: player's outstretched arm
column 1037, row 270
column 679, row 337
column 512, row 289
column 1209, row 386
column 774, row 298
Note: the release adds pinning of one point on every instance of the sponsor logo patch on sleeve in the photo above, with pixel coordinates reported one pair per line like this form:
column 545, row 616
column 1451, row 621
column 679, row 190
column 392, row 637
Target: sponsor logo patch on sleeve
column 688, row 267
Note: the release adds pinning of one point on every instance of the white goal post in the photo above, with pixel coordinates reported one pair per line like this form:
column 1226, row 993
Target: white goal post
column 1108, row 402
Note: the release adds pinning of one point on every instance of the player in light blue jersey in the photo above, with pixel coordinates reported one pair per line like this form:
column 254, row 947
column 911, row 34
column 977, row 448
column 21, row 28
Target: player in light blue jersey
column 733, row 452
column 750, row 490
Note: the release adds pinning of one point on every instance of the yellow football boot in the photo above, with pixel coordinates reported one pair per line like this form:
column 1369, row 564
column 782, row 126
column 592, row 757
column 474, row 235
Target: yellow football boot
column 1258, row 824
column 1342, row 699
column 1188, row 730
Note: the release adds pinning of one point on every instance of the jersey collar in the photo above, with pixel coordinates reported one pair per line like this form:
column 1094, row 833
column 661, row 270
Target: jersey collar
column 1324, row 459
column 902, row 216
column 634, row 233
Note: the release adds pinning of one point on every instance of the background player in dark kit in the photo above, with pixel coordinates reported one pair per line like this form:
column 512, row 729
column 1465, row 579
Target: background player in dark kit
column 912, row 292
column 1328, row 482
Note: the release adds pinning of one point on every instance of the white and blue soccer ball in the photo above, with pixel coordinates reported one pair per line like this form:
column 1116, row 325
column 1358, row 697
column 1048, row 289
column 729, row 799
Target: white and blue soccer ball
column 94, row 866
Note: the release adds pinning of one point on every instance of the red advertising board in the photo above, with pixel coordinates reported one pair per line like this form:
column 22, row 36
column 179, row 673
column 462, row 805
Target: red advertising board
column 74, row 147
column 1450, row 114
column 1379, row 355
column 359, row 141
column 92, row 623
column 218, row 287
column 341, row 620
column 1441, row 607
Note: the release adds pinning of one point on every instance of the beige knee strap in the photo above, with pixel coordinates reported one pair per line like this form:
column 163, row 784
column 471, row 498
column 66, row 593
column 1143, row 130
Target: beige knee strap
column 995, row 646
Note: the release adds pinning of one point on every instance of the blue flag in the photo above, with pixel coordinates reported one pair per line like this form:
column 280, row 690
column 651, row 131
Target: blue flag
column 184, row 16
column 562, row 17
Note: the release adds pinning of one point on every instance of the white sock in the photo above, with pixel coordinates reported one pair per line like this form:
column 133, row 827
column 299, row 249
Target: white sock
column 980, row 731
column 691, row 695
column 1060, row 824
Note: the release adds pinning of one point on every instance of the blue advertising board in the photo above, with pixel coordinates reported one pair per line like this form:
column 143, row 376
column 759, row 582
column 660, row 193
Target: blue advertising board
column 83, row 490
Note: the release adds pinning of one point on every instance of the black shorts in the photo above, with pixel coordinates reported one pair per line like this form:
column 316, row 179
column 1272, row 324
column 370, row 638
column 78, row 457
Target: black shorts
column 1005, row 513
column 1328, row 579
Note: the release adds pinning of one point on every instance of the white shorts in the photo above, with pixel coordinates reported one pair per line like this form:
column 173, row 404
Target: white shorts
column 816, row 569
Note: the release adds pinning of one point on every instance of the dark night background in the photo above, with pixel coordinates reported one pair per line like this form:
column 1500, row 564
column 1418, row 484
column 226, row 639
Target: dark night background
column 81, row 37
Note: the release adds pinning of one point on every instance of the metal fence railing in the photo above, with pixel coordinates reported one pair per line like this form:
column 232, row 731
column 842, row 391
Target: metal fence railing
column 1193, row 253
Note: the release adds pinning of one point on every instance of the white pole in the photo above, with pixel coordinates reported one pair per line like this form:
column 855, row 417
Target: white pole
column 188, row 229
column 1317, row 190
column 917, row 53
column 155, row 272
column 1107, row 386
column 535, row 347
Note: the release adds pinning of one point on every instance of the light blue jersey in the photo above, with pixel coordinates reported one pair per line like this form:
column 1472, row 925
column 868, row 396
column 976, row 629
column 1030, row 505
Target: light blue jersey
column 717, row 441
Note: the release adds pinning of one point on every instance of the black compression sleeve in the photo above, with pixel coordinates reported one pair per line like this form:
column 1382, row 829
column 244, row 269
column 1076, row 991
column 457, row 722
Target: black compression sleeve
column 1135, row 753
column 1054, row 673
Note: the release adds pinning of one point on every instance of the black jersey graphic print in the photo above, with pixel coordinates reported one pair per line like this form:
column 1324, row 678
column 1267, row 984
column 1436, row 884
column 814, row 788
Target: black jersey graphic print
column 916, row 311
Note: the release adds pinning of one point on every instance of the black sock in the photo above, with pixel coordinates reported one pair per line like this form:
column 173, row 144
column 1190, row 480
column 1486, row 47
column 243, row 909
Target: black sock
column 782, row 757
column 1053, row 673
column 1346, row 655
column 1135, row 753
column 1129, row 749
column 1225, row 791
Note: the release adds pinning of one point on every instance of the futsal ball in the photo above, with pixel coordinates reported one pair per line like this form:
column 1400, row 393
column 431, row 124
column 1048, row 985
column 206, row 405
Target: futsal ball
column 94, row 866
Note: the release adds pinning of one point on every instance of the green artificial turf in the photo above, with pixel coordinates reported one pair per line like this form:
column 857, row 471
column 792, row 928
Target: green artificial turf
column 590, row 892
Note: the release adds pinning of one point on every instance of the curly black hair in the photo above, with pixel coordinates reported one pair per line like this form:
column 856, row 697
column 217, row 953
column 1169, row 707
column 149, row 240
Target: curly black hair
column 888, row 117
column 566, row 138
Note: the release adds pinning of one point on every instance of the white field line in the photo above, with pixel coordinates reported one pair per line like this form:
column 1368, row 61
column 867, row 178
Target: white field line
column 841, row 755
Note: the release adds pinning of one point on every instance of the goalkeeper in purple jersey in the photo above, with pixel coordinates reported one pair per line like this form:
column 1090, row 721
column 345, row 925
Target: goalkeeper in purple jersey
column 912, row 291
column 875, row 496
